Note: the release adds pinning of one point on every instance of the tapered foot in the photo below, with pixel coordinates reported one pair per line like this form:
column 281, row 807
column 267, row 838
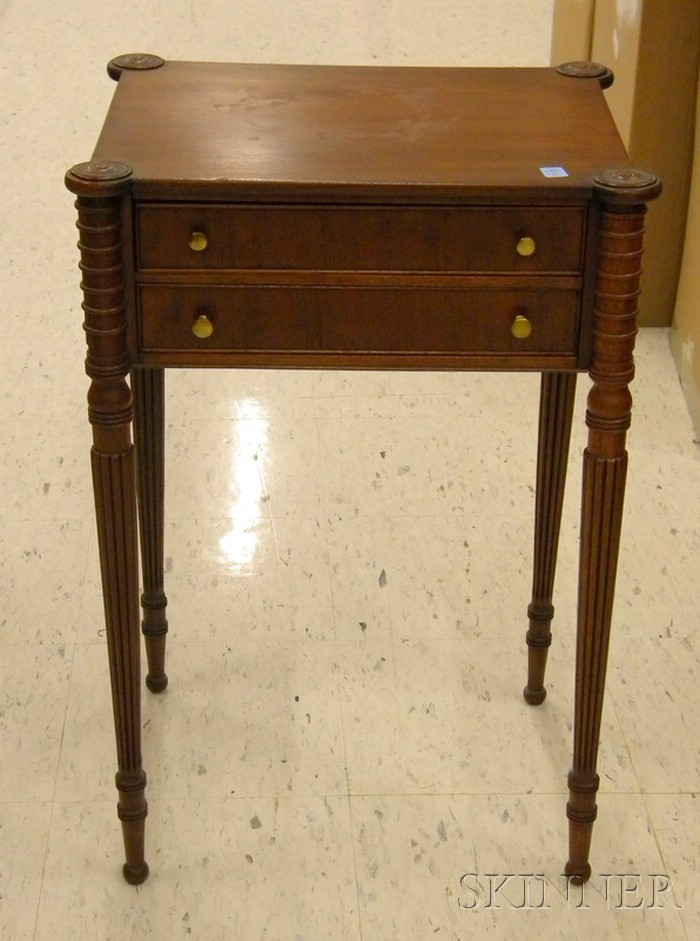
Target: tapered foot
column 534, row 696
column 133, row 810
column 135, row 875
column 155, row 630
column 578, row 874
column 156, row 684
column 539, row 639
column 581, row 810
column 155, row 636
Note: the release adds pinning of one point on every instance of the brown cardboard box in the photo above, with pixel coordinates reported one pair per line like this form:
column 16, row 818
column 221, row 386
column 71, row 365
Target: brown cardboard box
column 652, row 46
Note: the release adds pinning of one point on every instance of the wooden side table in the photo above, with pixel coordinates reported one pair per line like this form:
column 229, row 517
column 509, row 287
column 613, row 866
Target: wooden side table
column 380, row 218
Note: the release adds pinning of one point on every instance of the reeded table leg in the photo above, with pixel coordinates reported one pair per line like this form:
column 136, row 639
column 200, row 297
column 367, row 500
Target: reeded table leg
column 100, row 189
column 148, row 390
column 557, row 395
column 604, row 471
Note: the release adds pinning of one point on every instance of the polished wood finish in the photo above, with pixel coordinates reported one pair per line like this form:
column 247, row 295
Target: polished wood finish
column 355, row 320
column 608, row 415
column 342, row 217
column 557, row 396
column 359, row 134
column 365, row 239
column 147, row 387
column 101, row 190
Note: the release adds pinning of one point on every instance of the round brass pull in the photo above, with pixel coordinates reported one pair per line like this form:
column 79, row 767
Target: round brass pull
column 198, row 241
column 526, row 246
column 521, row 328
column 202, row 328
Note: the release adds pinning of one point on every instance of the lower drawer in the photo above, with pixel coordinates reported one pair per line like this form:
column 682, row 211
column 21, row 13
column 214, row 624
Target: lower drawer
column 284, row 318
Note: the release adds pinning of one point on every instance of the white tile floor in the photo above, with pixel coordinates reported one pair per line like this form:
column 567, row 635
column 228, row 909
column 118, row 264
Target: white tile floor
column 344, row 735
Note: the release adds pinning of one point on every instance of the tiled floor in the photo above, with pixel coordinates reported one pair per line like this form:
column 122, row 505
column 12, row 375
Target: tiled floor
column 344, row 739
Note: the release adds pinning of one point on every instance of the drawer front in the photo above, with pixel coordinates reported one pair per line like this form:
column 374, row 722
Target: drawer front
column 318, row 238
column 325, row 319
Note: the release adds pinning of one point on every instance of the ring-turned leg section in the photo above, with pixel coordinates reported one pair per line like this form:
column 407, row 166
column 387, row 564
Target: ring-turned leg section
column 147, row 386
column 623, row 194
column 101, row 189
column 558, row 391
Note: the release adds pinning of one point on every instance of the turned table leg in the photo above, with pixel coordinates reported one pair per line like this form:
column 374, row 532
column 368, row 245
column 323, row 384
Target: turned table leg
column 101, row 189
column 604, row 470
column 147, row 387
column 558, row 390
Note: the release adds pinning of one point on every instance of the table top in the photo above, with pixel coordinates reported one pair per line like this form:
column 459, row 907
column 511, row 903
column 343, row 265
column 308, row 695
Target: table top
column 347, row 132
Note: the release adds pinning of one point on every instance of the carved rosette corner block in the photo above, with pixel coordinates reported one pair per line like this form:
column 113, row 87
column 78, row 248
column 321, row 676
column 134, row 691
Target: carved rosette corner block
column 628, row 184
column 133, row 61
column 84, row 177
column 586, row 69
column 623, row 195
column 101, row 188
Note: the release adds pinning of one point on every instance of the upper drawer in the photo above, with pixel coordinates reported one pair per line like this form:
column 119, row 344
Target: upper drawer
column 337, row 238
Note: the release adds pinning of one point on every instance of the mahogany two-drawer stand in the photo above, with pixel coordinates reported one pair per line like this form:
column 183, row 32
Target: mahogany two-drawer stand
column 284, row 216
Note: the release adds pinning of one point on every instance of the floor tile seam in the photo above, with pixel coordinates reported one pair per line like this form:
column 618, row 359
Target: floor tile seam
column 61, row 737
column 53, row 801
column 501, row 794
column 680, row 792
column 262, row 641
column 33, row 339
column 693, row 792
column 662, row 857
column 341, row 797
column 11, row 518
column 42, row 877
column 354, row 843
column 79, row 425
column 37, row 645
column 411, row 795
column 419, row 415
column 29, row 801
column 653, row 829
column 254, row 518
column 161, row 799
column 336, row 648
column 521, row 516
column 284, row 418
column 625, row 740
column 343, row 794
column 323, row 522
column 338, row 375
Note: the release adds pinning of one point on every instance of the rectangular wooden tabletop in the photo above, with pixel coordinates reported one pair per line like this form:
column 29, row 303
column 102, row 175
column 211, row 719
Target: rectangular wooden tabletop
column 341, row 131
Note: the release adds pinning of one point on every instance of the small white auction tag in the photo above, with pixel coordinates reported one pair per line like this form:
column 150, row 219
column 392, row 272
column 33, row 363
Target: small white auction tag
column 553, row 171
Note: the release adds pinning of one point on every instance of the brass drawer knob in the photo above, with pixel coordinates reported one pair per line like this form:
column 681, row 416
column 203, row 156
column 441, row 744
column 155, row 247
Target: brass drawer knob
column 202, row 328
column 198, row 241
column 526, row 246
column 522, row 327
